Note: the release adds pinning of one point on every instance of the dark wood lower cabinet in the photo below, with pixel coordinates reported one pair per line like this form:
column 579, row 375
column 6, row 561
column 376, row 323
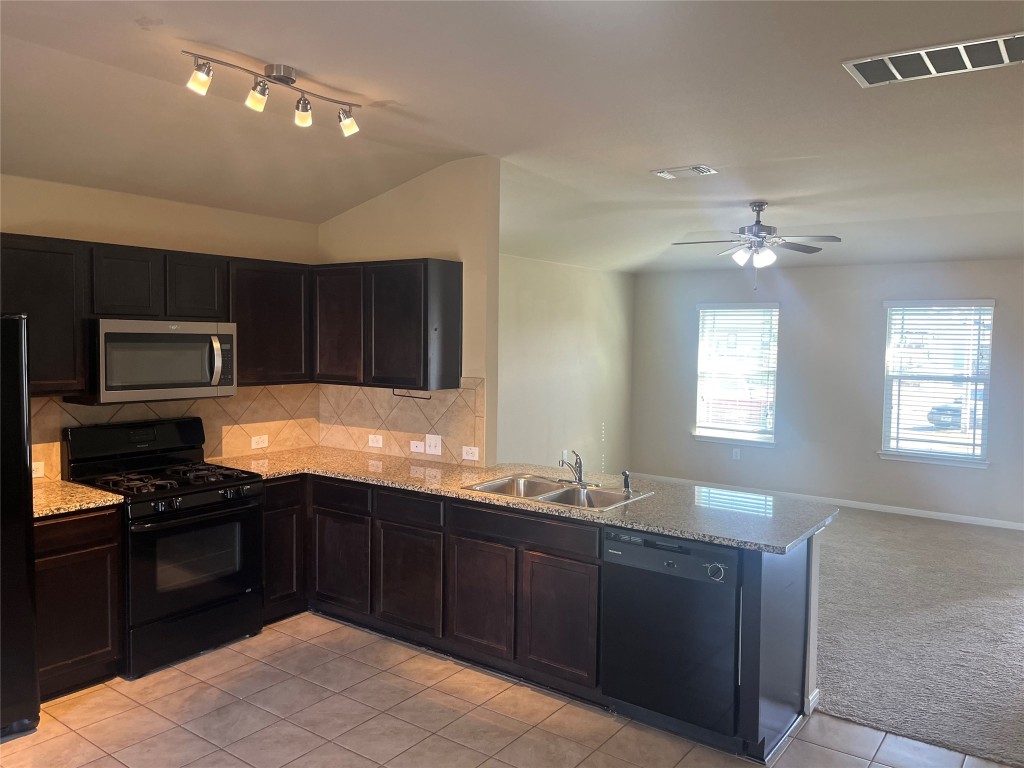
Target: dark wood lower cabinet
column 284, row 589
column 78, row 600
column 558, row 617
column 339, row 569
column 409, row 576
column 481, row 595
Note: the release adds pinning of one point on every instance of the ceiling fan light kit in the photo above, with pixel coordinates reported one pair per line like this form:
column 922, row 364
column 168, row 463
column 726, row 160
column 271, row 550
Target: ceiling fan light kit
column 278, row 74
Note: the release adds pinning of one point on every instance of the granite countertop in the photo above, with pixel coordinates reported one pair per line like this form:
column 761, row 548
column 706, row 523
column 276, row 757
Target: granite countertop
column 773, row 523
column 55, row 497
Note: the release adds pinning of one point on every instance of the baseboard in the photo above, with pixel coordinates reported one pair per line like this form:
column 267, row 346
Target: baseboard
column 990, row 522
column 811, row 702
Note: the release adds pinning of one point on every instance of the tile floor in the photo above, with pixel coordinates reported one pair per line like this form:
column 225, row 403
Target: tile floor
column 309, row 692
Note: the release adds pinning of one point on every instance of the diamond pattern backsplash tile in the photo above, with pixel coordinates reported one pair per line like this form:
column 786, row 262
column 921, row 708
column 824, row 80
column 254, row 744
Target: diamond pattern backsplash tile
column 292, row 416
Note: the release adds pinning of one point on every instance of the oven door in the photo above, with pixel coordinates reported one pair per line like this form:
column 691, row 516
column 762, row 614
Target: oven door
column 184, row 563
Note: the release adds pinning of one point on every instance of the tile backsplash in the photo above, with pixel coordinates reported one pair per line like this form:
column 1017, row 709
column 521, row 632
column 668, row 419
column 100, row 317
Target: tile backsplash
column 292, row 416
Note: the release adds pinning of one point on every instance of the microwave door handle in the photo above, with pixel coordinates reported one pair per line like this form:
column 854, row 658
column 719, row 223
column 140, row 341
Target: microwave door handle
column 218, row 360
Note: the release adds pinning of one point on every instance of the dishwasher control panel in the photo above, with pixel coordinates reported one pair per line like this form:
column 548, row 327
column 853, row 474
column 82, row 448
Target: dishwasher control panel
column 673, row 557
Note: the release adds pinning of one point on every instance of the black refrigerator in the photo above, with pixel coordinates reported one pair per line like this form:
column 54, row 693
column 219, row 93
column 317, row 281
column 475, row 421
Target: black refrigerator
column 19, row 683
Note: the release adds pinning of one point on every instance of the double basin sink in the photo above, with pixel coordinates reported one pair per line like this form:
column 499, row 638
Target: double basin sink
column 552, row 491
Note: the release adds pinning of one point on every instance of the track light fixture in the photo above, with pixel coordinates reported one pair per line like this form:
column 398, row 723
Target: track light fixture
column 279, row 74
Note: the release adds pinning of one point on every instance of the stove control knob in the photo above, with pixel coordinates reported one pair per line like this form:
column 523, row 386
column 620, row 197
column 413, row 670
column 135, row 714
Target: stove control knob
column 176, row 502
column 716, row 571
column 159, row 506
column 244, row 490
column 228, row 493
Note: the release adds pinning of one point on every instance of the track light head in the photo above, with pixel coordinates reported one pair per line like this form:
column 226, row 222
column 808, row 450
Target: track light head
column 347, row 122
column 303, row 112
column 201, row 77
column 257, row 98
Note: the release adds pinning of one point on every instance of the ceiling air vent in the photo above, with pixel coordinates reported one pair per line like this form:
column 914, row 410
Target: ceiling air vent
column 674, row 173
column 949, row 59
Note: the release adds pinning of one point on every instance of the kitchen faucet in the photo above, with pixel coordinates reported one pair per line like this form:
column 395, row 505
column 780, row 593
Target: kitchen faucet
column 576, row 468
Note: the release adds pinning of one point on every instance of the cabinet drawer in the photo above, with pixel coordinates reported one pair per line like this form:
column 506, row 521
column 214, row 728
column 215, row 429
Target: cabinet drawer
column 334, row 494
column 61, row 534
column 542, row 535
column 283, row 493
column 409, row 508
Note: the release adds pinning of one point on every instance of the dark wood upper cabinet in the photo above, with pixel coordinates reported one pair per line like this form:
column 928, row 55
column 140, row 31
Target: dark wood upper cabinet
column 558, row 617
column 47, row 280
column 413, row 313
column 197, row 286
column 127, row 281
column 284, row 525
column 481, row 595
column 409, row 576
column 338, row 326
column 270, row 305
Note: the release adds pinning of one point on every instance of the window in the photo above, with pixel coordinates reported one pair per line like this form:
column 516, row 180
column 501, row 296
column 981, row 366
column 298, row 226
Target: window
column 736, row 357
column 937, row 361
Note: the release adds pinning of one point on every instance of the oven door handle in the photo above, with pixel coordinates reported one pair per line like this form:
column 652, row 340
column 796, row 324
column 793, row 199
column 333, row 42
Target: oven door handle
column 182, row 521
column 218, row 360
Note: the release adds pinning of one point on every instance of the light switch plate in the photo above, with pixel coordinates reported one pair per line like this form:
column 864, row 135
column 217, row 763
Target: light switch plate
column 416, row 446
column 376, row 466
column 735, row 454
column 434, row 445
column 432, row 475
column 260, row 465
column 38, row 469
column 470, row 453
column 260, row 441
column 376, row 441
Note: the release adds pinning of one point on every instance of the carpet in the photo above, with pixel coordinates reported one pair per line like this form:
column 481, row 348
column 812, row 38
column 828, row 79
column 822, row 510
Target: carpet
column 921, row 631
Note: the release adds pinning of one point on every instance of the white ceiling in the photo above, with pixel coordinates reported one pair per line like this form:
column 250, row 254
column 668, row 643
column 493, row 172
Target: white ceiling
column 579, row 99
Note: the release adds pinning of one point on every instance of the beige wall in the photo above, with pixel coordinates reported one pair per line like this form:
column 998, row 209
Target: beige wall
column 36, row 207
column 450, row 212
column 564, row 363
column 830, row 384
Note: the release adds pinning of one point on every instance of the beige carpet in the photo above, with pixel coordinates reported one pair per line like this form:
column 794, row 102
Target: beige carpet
column 921, row 631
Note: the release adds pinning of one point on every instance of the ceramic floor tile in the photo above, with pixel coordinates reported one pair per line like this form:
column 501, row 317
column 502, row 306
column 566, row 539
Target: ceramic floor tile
column 382, row 738
column 229, row 724
column 125, row 729
column 344, row 639
column 218, row 759
column 98, row 704
column 275, row 746
column 383, row 691
column 154, row 685
column 249, row 679
column 804, row 754
column 48, row 728
column 213, row 663
column 383, row 654
column 587, row 725
column 977, row 762
column 104, row 762
column 73, row 695
column 426, row 669
column 300, row 658
column 289, row 697
column 437, row 752
column 841, row 735
column 900, row 752
column 66, row 751
column 541, row 749
column 265, row 643
column 525, row 704
column 431, row 709
column 170, row 749
column 601, row 760
column 473, row 686
column 703, row 757
column 190, row 703
column 331, row 756
column 340, row 674
column 493, row 762
column 647, row 747
column 306, row 626
column 333, row 716
column 485, row 731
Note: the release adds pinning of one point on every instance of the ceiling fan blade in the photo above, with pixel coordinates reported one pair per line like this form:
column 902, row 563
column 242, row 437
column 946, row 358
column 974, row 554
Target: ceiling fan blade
column 727, row 251
column 815, row 238
column 797, row 247
column 705, row 242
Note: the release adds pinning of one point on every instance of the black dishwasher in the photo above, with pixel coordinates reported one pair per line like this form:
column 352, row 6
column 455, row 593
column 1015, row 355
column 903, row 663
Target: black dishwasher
column 670, row 627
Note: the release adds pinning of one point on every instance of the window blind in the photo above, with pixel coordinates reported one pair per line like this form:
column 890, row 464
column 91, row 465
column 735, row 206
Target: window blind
column 736, row 362
column 937, row 364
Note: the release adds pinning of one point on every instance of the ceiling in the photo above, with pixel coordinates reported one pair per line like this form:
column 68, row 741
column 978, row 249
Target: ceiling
column 579, row 100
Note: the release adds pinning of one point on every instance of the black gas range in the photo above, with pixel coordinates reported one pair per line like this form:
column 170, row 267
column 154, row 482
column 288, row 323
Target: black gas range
column 193, row 534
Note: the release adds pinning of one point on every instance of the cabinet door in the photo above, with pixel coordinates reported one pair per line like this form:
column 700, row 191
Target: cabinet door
column 127, row 281
column 409, row 563
column 340, row 553
column 338, row 302
column 394, row 325
column 481, row 595
column 558, row 604
column 269, row 303
column 284, row 584
column 44, row 279
column 78, row 616
column 197, row 286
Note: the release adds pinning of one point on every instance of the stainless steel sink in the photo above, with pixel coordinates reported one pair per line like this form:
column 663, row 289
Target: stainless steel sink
column 592, row 498
column 523, row 486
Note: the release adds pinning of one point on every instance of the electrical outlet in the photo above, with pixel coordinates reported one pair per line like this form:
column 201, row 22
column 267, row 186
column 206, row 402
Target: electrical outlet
column 38, row 469
column 376, row 441
column 470, row 453
column 260, row 441
column 376, row 466
column 434, row 445
column 416, row 446
column 260, row 465
column 416, row 472
column 735, row 454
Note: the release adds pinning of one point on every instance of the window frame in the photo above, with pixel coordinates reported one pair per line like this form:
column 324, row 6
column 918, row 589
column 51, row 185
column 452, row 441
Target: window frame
column 738, row 438
column 936, row 457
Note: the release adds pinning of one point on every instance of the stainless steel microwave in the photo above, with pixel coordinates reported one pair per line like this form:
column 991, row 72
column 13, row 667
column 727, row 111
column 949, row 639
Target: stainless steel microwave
column 163, row 360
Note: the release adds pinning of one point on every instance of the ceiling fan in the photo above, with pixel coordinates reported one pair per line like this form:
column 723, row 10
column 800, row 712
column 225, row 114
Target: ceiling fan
column 760, row 241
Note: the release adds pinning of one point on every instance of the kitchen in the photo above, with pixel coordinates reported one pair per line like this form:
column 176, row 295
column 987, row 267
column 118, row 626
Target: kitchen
column 448, row 214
